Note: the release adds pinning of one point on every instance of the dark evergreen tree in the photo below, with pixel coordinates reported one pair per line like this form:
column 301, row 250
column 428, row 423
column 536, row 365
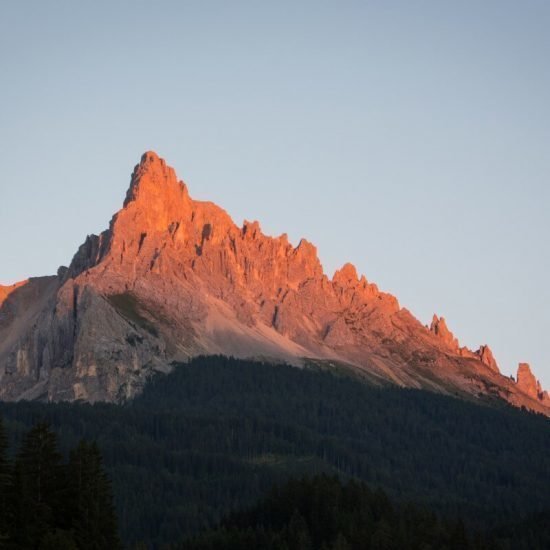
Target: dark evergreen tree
column 92, row 509
column 37, row 488
column 5, row 478
column 297, row 535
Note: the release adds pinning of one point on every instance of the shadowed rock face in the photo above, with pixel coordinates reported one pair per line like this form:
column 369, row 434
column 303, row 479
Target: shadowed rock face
column 173, row 278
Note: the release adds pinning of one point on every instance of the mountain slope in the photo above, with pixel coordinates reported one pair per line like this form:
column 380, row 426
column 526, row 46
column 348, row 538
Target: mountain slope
column 173, row 278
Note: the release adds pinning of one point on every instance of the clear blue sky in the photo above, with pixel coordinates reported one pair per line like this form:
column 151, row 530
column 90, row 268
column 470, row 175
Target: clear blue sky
column 411, row 138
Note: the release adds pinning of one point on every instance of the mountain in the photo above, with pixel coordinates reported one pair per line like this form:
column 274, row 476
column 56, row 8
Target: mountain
column 173, row 278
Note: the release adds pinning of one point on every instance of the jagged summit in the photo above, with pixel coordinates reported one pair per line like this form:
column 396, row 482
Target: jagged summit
column 152, row 178
column 151, row 156
column 530, row 385
column 346, row 274
column 152, row 167
column 151, row 162
column 173, row 277
column 440, row 329
column 486, row 356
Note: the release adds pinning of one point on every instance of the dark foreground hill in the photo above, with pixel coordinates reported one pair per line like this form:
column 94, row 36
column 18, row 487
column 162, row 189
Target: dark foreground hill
column 218, row 433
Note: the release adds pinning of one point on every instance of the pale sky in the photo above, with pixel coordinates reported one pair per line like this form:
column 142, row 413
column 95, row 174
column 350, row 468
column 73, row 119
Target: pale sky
column 411, row 138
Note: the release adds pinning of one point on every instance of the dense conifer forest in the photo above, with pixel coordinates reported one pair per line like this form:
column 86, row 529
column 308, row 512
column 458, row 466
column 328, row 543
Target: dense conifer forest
column 218, row 434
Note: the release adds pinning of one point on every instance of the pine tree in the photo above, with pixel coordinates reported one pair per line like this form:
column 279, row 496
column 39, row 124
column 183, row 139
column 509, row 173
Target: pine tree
column 37, row 487
column 382, row 537
column 5, row 478
column 91, row 498
column 298, row 533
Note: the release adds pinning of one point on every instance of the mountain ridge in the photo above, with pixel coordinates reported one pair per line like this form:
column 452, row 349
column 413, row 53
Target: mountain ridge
column 173, row 277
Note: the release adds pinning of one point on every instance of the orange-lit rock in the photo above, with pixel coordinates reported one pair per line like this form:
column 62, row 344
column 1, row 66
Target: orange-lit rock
column 174, row 277
column 439, row 328
column 346, row 276
column 5, row 291
column 526, row 380
column 529, row 385
column 486, row 356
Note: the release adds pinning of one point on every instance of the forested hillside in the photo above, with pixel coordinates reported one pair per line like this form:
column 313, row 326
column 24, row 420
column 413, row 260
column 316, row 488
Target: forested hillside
column 218, row 433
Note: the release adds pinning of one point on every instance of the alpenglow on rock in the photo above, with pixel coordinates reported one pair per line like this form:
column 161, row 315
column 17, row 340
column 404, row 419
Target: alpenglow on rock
column 173, row 278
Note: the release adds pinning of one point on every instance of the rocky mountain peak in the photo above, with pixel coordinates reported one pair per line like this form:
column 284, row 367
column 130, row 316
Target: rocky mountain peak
column 346, row 275
column 440, row 329
column 486, row 356
column 526, row 380
column 152, row 179
column 528, row 384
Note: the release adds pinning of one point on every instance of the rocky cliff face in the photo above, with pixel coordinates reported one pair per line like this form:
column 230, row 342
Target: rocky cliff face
column 173, row 278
